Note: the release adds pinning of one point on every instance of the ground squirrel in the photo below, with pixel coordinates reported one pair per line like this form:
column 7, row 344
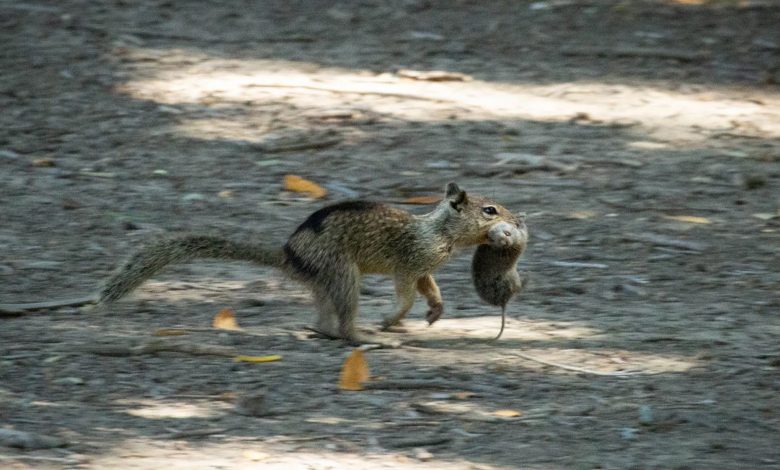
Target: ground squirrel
column 494, row 266
column 337, row 244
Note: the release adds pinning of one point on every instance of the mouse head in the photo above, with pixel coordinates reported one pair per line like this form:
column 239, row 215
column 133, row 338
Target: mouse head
column 473, row 219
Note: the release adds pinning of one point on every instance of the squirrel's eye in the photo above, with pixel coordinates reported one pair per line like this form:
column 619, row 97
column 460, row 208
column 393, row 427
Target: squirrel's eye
column 489, row 210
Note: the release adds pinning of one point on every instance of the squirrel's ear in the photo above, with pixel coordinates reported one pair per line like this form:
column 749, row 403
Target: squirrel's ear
column 456, row 196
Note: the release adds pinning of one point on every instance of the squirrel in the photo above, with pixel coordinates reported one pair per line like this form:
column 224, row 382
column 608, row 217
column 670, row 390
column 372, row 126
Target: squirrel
column 494, row 266
column 336, row 245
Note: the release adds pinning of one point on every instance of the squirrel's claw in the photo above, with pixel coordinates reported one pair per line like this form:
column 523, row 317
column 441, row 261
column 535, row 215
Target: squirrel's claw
column 434, row 313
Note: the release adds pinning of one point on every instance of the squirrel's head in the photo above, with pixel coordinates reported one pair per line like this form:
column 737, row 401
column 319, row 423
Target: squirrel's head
column 473, row 219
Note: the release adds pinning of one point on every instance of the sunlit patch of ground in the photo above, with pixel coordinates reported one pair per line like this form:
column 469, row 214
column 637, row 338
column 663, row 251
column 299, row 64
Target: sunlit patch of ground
column 487, row 326
column 468, row 340
column 153, row 409
column 286, row 454
column 686, row 115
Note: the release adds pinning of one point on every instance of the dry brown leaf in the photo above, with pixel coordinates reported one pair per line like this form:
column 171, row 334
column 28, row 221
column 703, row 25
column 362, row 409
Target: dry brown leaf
column 691, row 219
column 258, row 359
column 301, row 185
column 170, row 332
column 422, row 200
column 228, row 396
column 43, row 162
column 225, row 320
column 354, row 371
column 507, row 413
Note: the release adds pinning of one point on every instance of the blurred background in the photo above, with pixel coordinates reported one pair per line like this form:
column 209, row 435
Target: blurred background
column 642, row 138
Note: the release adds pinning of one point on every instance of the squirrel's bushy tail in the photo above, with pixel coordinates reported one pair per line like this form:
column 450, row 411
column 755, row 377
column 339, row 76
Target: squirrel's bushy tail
column 153, row 258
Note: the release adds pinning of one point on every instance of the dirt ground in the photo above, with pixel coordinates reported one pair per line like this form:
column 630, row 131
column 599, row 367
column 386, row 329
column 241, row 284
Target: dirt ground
column 642, row 138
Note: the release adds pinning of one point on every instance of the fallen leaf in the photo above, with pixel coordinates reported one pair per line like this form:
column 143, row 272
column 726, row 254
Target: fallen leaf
column 225, row 194
column 301, row 185
column 507, row 413
column 422, row 200
column 43, row 162
column 463, row 395
column 225, row 320
column 170, row 332
column 257, row 359
column 226, row 396
column 691, row 219
column 354, row 371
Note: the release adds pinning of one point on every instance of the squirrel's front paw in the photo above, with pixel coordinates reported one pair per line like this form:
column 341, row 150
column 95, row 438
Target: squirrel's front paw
column 389, row 323
column 434, row 313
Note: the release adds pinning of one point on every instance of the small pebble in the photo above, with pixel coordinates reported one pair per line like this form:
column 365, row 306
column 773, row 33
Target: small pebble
column 628, row 433
column 9, row 154
column 189, row 197
column 645, row 414
column 422, row 454
column 253, row 404
column 442, row 164
column 69, row 381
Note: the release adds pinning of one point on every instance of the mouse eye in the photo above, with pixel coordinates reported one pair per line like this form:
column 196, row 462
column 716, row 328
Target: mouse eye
column 489, row 210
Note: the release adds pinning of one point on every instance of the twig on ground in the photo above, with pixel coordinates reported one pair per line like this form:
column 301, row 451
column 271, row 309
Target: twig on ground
column 655, row 207
column 540, row 361
column 407, row 385
column 157, row 346
column 199, row 38
column 29, row 440
column 420, row 441
column 193, row 433
column 186, row 330
column 406, row 96
column 19, row 309
column 577, row 264
column 279, row 439
column 661, row 240
column 40, row 458
column 297, row 147
column 574, row 368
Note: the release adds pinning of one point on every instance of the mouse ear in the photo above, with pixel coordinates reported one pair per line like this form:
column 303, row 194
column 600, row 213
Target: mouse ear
column 456, row 196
